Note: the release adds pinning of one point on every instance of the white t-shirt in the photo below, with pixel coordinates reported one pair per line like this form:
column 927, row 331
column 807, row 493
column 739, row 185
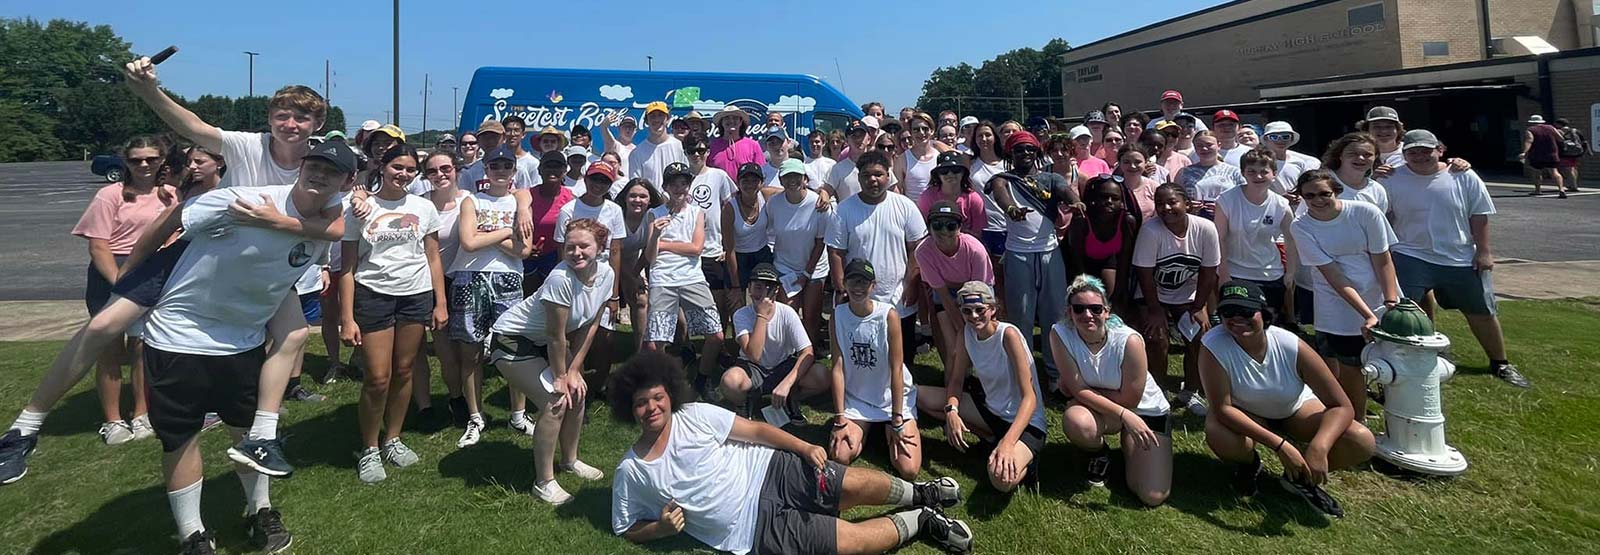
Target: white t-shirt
column 527, row 172
column 1290, row 168
column 786, row 335
column 981, row 173
column 1177, row 260
column 864, row 345
column 710, row 191
column 1348, row 240
column 817, row 170
column 880, row 233
column 992, row 366
column 1270, row 388
column 608, row 214
column 795, row 229
column 1432, row 214
column 562, row 288
column 249, row 157
column 493, row 213
column 649, row 160
column 393, row 260
column 846, row 179
column 716, row 481
column 1227, row 155
column 670, row 268
column 231, row 279
column 769, row 174
column 1205, row 184
column 1254, row 232
column 1034, row 232
column 1373, row 192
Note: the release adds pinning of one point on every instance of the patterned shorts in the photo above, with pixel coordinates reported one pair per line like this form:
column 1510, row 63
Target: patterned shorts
column 477, row 299
column 699, row 311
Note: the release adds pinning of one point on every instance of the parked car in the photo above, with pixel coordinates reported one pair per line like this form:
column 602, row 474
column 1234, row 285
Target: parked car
column 109, row 166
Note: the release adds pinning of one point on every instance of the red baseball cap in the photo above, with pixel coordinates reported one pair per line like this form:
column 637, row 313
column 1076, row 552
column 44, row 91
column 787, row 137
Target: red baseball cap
column 1224, row 115
column 602, row 169
column 1172, row 94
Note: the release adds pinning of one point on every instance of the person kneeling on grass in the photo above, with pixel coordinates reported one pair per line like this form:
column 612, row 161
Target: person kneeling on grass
column 1267, row 386
column 1103, row 369
column 871, row 386
column 1008, row 411
column 749, row 487
column 775, row 354
column 540, row 345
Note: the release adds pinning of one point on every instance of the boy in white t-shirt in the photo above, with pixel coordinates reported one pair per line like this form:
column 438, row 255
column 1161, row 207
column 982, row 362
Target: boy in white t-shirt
column 775, row 355
column 672, row 252
column 882, row 227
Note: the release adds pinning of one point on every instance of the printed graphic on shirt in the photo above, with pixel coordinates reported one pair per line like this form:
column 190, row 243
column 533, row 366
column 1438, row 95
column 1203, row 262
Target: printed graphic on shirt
column 301, row 254
column 863, row 355
column 1266, row 220
column 490, row 219
column 1175, row 270
column 701, row 195
column 394, row 227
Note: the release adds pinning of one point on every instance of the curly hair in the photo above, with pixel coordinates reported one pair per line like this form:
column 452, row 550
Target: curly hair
column 645, row 370
column 601, row 233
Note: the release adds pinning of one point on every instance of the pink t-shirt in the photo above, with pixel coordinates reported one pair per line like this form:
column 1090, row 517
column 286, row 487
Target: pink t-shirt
column 119, row 223
column 970, row 204
column 727, row 157
column 1090, row 167
column 546, row 210
column 1176, row 162
column 971, row 262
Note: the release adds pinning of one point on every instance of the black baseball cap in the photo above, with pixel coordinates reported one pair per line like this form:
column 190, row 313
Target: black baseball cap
column 1242, row 294
column 502, row 152
column 764, row 271
column 552, row 158
column 750, row 168
column 860, row 268
column 945, row 209
column 676, row 169
column 335, row 153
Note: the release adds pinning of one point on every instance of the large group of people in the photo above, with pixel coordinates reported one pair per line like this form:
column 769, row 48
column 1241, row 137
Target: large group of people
column 1036, row 260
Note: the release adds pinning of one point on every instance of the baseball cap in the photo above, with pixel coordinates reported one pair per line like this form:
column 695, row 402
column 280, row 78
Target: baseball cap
column 602, row 169
column 370, row 125
column 1094, row 116
column 975, row 292
column 891, row 125
column 657, row 106
column 502, row 152
column 627, row 119
column 1224, row 115
column 1185, row 115
column 749, row 168
column 1078, row 131
column 338, row 154
column 969, row 120
column 1382, row 113
column 775, row 133
column 575, row 151
column 1172, row 94
column 946, row 210
column 491, row 126
column 1418, row 138
column 764, row 272
column 860, row 268
column 1164, row 124
column 790, row 166
column 1242, row 294
column 335, row 135
column 393, row 131
column 676, row 169
column 871, row 122
column 1036, row 122
column 446, row 138
column 552, row 158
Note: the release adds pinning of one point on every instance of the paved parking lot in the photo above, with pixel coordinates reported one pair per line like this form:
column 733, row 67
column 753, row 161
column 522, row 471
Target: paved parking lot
column 41, row 260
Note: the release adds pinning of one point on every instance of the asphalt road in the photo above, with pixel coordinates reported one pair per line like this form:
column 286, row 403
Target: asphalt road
column 41, row 201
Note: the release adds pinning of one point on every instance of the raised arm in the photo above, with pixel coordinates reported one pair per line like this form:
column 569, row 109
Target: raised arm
column 140, row 75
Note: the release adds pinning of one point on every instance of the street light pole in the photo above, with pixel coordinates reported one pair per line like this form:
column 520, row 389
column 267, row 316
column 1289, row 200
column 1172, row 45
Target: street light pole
column 396, row 86
column 455, row 107
column 252, row 55
column 650, row 63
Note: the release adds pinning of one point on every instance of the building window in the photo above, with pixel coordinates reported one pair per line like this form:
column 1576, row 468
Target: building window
column 1435, row 49
column 1365, row 15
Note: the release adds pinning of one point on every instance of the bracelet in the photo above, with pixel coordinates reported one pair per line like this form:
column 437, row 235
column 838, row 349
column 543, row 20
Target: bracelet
column 1279, row 448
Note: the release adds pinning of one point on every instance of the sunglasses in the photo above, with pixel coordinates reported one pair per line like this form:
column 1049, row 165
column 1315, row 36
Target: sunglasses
column 1280, row 137
column 469, row 143
column 440, row 169
column 1095, row 309
column 885, row 147
column 1324, row 194
column 944, row 225
column 973, row 310
column 143, row 161
column 698, row 151
column 1237, row 312
column 502, row 166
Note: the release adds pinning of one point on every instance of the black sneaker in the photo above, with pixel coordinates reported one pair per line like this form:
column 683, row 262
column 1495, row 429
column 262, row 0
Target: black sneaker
column 796, row 416
column 1099, row 464
column 262, row 455
column 198, row 543
column 300, row 393
column 1246, row 476
column 1319, row 499
column 458, row 412
column 14, row 451
column 1509, row 374
column 266, row 531
column 940, row 493
column 951, row 534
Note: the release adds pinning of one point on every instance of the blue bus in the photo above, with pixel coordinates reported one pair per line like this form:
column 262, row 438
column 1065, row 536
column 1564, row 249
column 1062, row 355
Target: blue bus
column 565, row 98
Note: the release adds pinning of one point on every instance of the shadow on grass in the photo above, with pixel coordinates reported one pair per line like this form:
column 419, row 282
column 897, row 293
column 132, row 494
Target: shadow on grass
column 79, row 414
column 141, row 522
column 593, row 505
column 493, row 463
column 1199, row 492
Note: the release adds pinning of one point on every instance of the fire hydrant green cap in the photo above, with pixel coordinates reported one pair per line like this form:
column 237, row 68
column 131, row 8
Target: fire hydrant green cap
column 1405, row 323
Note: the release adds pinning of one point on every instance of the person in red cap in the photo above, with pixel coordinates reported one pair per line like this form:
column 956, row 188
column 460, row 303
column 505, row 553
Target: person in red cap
column 1225, row 125
column 594, row 204
column 1036, row 275
column 1171, row 106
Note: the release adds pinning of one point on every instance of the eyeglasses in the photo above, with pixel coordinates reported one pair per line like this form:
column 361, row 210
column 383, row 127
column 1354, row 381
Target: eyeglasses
column 1095, row 309
column 143, row 161
column 1324, row 194
column 1237, row 312
column 944, row 225
column 441, row 169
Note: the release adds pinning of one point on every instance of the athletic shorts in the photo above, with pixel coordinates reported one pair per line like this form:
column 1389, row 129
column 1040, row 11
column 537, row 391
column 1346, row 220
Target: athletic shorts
column 1544, row 164
column 376, row 311
column 535, row 269
column 1454, row 287
column 1031, row 436
column 97, row 291
column 1275, row 292
column 1305, row 304
column 995, row 242
column 762, row 379
column 798, row 510
column 699, row 310
column 311, row 307
column 1344, row 348
column 182, row 388
column 143, row 283
column 516, row 348
column 716, row 273
column 477, row 299
column 748, row 262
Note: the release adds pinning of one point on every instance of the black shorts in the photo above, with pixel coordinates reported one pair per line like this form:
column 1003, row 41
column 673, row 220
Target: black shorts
column 535, row 269
column 376, row 311
column 749, row 260
column 1305, row 304
column 516, row 348
column 1275, row 292
column 716, row 274
column 143, row 283
column 1031, row 436
column 182, row 388
column 763, row 379
column 799, row 507
column 1344, row 348
column 97, row 291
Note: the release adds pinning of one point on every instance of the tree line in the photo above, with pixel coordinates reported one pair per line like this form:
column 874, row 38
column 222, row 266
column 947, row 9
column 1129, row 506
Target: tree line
column 1011, row 86
column 62, row 98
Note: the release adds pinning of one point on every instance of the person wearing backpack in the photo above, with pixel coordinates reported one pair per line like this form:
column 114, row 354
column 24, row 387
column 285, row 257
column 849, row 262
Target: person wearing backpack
column 1541, row 145
column 1574, row 146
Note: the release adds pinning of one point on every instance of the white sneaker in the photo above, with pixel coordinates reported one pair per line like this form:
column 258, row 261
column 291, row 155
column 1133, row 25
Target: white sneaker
column 1193, row 402
column 210, row 421
column 474, row 429
column 141, row 427
column 551, row 492
column 398, row 454
column 583, row 470
column 116, row 433
column 369, row 467
column 522, row 426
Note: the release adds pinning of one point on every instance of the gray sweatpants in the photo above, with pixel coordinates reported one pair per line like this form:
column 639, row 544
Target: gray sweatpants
column 1036, row 288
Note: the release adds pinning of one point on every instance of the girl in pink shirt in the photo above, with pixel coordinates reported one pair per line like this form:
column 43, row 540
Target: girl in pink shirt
column 951, row 182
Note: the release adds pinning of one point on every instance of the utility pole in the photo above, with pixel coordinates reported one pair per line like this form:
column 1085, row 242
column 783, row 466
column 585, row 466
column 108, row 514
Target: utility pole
column 424, row 101
column 650, row 63
column 327, row 81
column 454, row 107
column 252, row 55
column 396, row 79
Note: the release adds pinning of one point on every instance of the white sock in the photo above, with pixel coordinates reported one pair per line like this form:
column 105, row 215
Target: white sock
column 265, row 425
column 907, row 523
column 255, row 491
column 28, row 422
column 519, row 415
column 185, row 505
column 901, row 493
column 476, row 417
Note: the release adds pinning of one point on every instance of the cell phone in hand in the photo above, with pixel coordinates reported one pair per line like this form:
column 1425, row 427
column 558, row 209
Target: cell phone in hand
column 163, row 55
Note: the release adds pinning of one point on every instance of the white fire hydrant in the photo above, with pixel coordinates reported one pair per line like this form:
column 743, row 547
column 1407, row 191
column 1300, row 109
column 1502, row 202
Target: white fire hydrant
column 1404, row 357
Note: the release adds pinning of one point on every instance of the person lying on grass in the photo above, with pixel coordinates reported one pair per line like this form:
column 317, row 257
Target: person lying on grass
column 748, row 487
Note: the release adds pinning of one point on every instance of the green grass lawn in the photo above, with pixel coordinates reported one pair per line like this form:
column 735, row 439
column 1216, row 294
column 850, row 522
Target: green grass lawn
column 1530, row 488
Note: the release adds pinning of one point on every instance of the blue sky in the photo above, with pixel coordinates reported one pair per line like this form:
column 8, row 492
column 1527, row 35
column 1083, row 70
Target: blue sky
column 448, row 40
